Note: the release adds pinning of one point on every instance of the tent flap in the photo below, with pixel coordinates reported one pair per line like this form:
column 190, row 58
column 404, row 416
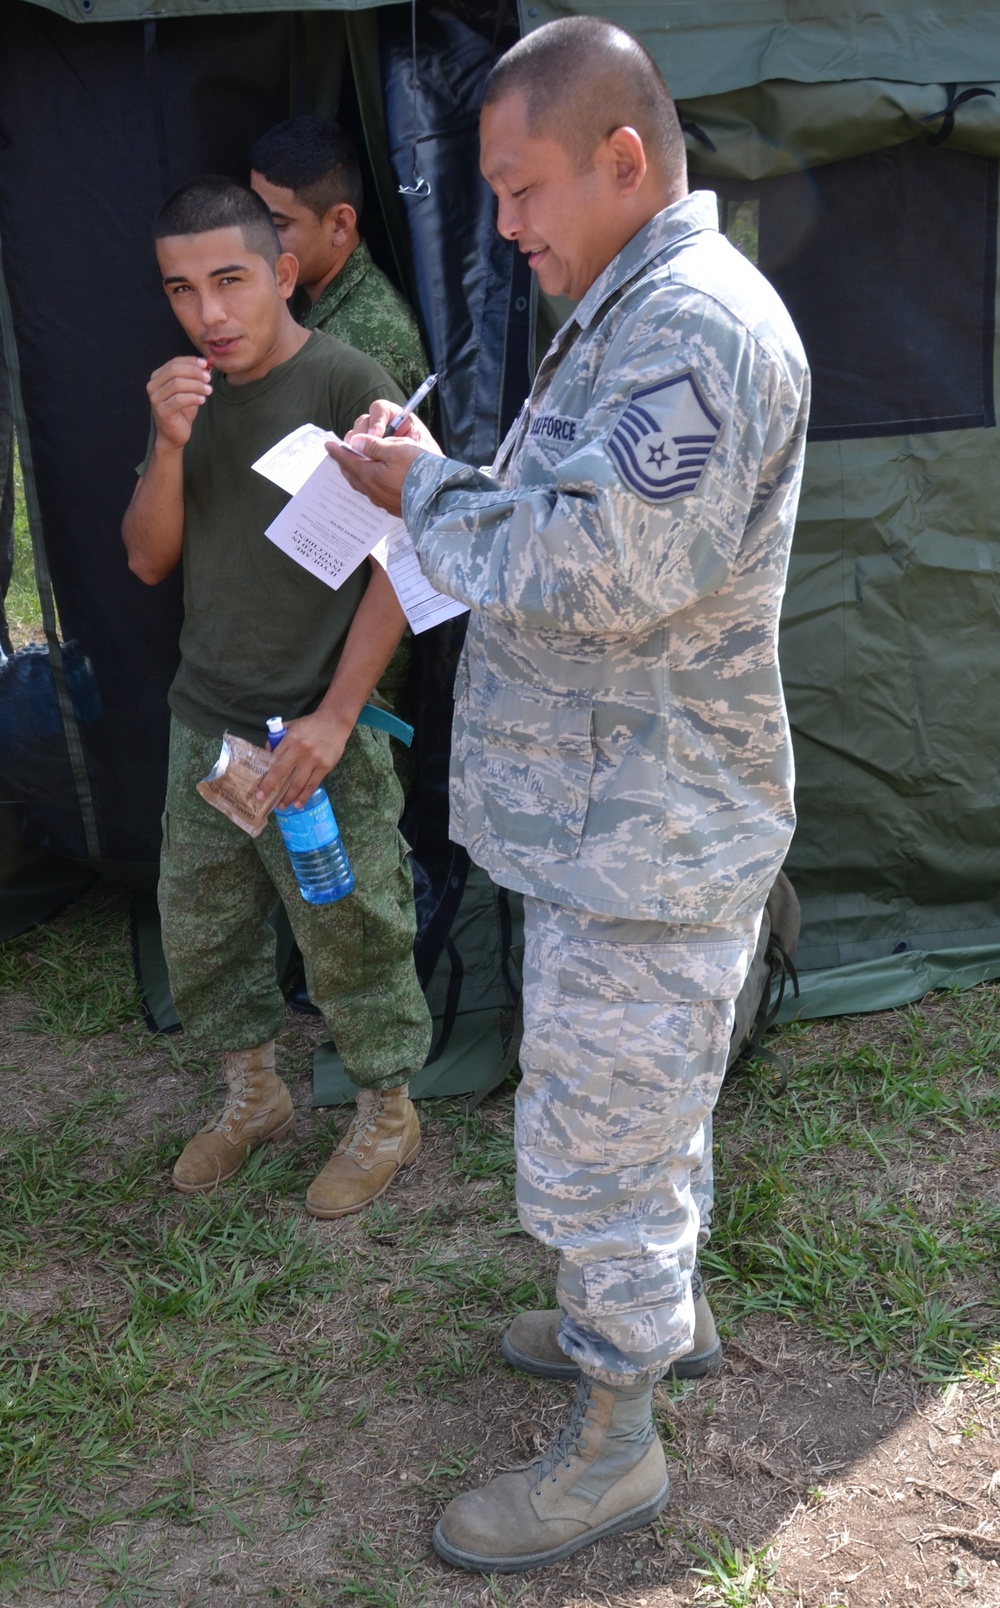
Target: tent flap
column 473, row 287
column 890, row 982
column 706, row 47
column 782, row 127
column 891, row 655
column 140, row 10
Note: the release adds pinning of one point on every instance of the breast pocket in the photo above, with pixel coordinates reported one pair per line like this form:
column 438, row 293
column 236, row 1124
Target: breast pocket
column 538, row 761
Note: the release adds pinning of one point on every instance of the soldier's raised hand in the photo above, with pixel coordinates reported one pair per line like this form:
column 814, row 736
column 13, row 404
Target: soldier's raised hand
column 176, row 392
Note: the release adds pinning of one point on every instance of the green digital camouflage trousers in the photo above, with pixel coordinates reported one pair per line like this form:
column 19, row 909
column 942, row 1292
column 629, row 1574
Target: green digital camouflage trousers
column 218, row 886
column 394, row 688
column 626, row 1031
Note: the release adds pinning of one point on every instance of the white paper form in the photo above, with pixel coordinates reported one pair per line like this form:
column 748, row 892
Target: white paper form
column 328, row 527
column 291, row 461
column 421, row 604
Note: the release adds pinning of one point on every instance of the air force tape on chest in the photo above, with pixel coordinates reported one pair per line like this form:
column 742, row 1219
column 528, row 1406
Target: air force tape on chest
column 663, row 438
column 555, row 427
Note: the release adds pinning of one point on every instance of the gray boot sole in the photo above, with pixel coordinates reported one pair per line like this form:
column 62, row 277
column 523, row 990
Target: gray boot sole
column 691, row 1366
column 634, row 1519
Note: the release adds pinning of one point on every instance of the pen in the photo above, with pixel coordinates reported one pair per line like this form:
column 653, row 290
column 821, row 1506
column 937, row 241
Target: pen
column 411, row 405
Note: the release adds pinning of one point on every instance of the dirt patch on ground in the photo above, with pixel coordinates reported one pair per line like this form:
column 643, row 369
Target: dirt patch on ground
column 869, row 1496
column 822, row 1482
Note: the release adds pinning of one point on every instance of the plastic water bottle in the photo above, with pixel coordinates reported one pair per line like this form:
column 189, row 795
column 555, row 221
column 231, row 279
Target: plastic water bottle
column 312, row 838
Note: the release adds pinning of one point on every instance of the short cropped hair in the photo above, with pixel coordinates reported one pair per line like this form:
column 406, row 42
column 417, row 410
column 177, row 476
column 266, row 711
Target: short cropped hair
column 217, row 202
column 315, row 159
column 582, row 78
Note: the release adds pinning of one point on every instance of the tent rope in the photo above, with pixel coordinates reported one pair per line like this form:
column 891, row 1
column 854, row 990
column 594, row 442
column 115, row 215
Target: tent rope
column 947, row 112
column 419, row 187
column 43, row 577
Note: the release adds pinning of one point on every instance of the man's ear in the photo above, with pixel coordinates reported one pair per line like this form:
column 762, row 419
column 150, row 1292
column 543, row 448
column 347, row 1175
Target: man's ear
column 286, row 272
column 339, row 223
column 627, row 154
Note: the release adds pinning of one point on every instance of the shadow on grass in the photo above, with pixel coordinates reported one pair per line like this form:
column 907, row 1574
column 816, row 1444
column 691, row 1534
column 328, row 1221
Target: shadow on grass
column 216, row 1398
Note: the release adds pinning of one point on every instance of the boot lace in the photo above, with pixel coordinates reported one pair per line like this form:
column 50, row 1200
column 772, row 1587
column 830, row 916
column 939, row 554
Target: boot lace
column 568, row 1437
column 235, row 1103
column 363, row 1126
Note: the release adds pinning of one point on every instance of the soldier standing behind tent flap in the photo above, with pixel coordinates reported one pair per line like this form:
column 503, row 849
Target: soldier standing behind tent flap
column 621, row 751
column 306, row 172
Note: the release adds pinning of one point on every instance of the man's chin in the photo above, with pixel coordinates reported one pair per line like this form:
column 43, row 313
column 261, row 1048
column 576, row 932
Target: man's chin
column 552, row 277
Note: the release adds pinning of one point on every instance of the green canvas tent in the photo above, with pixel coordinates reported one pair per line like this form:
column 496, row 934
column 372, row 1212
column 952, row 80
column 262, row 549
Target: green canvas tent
column 855, row 155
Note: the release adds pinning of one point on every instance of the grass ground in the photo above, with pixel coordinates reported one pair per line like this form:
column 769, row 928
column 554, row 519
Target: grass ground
column 24, row 617
column 217, row 1401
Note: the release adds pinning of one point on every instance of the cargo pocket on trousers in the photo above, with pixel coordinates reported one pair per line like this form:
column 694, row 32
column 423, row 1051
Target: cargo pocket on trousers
column 654, row 1083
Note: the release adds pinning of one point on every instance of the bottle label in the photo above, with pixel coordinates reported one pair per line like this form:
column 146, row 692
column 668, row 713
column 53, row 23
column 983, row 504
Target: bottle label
column 311, row 828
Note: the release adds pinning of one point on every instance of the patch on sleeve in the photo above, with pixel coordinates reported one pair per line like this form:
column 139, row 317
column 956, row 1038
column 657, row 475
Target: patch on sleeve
column 664, row 438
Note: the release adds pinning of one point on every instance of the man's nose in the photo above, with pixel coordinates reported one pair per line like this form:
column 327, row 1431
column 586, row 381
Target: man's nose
column 213, row 310
column 508, row 221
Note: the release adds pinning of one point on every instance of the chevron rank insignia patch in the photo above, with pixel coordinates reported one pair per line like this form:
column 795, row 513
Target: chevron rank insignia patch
column 664, row 438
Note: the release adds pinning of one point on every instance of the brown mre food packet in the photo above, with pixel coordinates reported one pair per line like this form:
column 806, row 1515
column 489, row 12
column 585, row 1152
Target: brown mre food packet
column 231, row 785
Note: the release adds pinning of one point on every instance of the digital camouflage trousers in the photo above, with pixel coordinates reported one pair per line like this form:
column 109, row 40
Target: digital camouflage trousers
column 218, row 887
column 626, row 1031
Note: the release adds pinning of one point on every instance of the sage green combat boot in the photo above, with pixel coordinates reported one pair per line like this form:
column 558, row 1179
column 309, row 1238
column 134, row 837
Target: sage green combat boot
column 605, row 1472
column 258, row 1107
column 531, row 1343
column 384, row 1136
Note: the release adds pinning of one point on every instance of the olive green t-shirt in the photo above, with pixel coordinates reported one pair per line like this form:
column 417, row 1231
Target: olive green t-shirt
column 261, row 636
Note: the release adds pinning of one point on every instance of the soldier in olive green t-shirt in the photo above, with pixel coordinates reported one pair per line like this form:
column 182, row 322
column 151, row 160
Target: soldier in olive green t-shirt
column 306, row 171
column 261, row 637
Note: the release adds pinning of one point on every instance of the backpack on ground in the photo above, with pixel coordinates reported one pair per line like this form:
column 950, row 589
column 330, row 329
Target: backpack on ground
column 760, row 999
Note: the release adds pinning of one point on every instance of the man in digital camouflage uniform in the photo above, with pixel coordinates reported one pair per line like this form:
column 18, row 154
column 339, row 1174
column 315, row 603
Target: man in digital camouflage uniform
column 620, row 751
column 307, row 173
column 263, row 636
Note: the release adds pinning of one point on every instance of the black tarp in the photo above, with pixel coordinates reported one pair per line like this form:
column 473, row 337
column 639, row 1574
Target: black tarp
column 888, row 264
column 130, row 109
column 473, row 288
column 134, row 108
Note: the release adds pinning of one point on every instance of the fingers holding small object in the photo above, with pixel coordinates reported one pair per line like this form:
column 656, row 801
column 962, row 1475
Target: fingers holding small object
column 180, row 386
column 375, row 421
column 194, row 370
column 359, row 462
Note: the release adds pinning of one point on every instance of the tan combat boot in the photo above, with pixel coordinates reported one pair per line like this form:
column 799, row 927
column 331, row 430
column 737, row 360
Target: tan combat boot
column 384, row 1136
column 604, row 1473
column 258, row 1107
column 531, row 1343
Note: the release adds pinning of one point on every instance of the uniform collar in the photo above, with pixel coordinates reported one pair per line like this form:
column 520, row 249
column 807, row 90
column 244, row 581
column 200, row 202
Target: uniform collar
column 340, row 287
column 697, row 211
